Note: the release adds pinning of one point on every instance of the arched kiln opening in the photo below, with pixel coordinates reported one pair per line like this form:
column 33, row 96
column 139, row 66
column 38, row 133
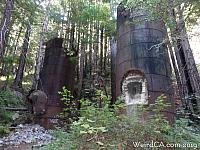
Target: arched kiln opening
column 134, row 88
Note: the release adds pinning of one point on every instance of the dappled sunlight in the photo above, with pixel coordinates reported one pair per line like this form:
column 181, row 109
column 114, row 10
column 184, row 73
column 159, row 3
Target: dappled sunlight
column 26, row 83
column 3, row 78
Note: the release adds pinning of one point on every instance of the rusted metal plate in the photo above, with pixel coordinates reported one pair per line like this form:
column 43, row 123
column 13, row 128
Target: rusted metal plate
column 136, row 51
column 163, row 86
column 51, row 118
column 57, row 71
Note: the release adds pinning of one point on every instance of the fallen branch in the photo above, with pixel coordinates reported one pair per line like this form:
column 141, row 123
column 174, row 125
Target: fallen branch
column 13, row 109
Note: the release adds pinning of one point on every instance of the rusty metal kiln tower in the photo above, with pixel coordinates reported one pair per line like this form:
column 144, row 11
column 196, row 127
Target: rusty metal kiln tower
column 142, row 71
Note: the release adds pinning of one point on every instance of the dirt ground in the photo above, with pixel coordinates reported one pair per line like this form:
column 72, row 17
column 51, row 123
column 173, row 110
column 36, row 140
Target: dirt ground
column 18, row 147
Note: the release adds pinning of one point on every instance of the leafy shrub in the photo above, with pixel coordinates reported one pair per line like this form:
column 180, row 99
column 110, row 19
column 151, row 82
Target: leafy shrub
column 4, row 130
column 5, row 116
column 105, row 128
column 64, row 141
column 70, row 112
column 7, row 99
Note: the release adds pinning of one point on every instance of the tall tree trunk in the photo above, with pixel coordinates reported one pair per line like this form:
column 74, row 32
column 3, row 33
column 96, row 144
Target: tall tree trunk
column 172, row 27
column 105, row 53
column 81, row 68
column 18, row 34
column 78, row 47
column 191, row 73
column 96, row 47
column 113, row 48
column 20, row 71
column 72, row 39
column 85, row 64
column 40, row 52
column 6, row 49
column 90, row 49
column 101, row 51
column 16, row 44
column 4, row 27
column 176, row 71
column 185, row 60
column 66, row 34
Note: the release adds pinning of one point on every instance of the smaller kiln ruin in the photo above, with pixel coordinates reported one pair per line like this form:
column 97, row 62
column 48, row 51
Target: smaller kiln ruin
column 57, row 71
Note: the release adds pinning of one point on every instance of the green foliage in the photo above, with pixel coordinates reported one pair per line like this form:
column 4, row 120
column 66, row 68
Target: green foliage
column 182, row 133
column 101, row 128
column 6, row 116
column 86, row 126
column 73, row 60
column 7, row 99
column 159, row 120
column 94, row 120
column 64, row 141
column 159, row 9
column 4, row 130
column 70, row 111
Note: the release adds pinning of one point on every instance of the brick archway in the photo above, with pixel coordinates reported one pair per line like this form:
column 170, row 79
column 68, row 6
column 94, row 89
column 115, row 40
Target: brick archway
column 134, row 88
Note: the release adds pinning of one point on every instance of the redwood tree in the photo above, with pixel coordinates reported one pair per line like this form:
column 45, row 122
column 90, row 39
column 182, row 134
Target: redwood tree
column 4, row 27
column 20, row 71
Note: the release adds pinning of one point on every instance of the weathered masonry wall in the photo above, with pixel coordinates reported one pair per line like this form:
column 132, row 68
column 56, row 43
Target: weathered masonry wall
column 142, row 71
column 57, row 71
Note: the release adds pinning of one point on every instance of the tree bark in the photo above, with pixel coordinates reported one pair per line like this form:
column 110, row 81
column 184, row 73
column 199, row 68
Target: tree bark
column 81, row 68
column 191, row 73
column 90, row 50
column 101, row 51
column 40, row 52
column 172, row 27
column 113, row 48
column 20, row 71
column 105, row 54
column 4, row 27
column 188, row 73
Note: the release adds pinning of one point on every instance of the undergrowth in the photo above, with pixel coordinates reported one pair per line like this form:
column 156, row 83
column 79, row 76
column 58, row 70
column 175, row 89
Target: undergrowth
column 7, row 99
column 110, row 128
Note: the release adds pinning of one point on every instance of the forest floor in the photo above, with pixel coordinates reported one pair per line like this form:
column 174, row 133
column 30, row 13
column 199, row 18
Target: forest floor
column 18, row 147
column 25, row 137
